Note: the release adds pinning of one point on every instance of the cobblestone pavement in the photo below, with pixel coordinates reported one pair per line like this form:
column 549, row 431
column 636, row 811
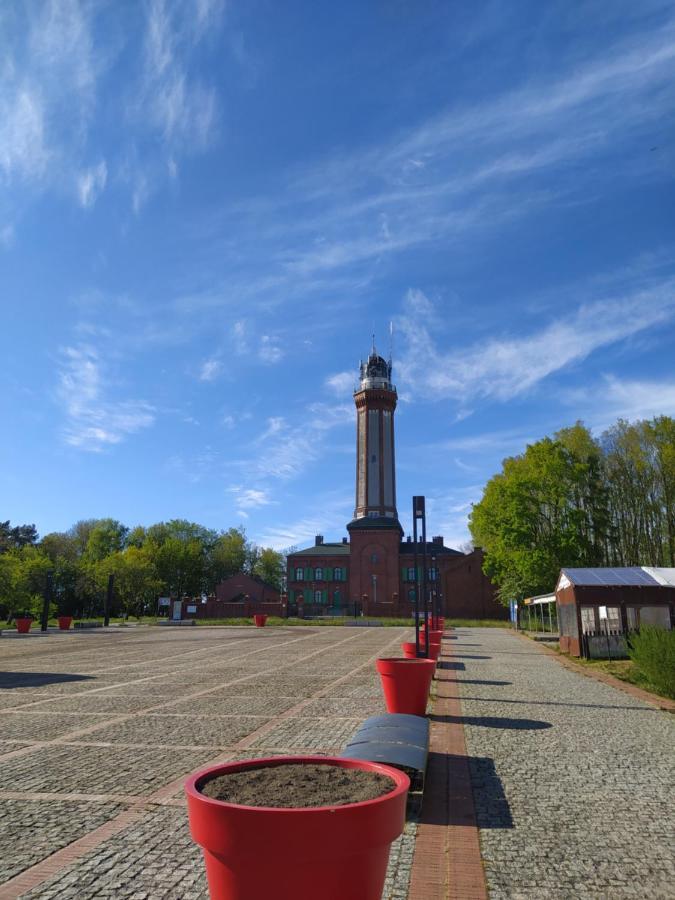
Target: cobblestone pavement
column 98, row 730
column 572, row 779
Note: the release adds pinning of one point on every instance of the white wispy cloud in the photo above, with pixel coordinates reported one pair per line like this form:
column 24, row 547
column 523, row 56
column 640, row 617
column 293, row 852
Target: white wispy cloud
column 177, row 104
column 210, row 369
column 602, row 403
column 93, row 420
column 342, row 383
column 6, row 235
column 47, row 91
column 90, row 184
column 270, row 350
column 251, row 498
column 334, row 512
column 504, row 367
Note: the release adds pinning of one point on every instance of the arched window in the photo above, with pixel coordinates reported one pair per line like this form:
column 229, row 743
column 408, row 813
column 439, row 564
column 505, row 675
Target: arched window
column 337, row 573
column 432, row 574
column 299, row 574
column 318, row 597
column 411, row 595
column 411, row 574
column 318, row 574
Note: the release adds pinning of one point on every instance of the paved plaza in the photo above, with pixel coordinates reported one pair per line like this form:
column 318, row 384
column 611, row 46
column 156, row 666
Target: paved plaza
column 571, row 779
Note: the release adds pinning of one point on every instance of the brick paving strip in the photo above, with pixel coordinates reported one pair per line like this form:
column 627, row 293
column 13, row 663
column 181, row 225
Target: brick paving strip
column 46, row 869
column 447, row 861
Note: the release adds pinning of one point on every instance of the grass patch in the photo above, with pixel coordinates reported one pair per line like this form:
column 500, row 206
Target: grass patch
column 623, row 669
column 478, row 623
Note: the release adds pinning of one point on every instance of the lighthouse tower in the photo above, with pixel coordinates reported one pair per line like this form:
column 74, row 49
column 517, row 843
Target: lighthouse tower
column 375, row 400
column 375, row 532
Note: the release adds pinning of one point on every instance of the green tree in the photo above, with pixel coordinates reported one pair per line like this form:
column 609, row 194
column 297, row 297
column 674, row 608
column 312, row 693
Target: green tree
column 107, row 536
column 270, row 565
column 137, row 584
column 225, row 557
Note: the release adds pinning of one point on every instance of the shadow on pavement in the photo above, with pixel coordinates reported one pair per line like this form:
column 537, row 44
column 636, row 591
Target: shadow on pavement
column 493, row 722
column 469, row 656
column 10, row 680
column 458, row 667
column 447, row 798
column 479, row 681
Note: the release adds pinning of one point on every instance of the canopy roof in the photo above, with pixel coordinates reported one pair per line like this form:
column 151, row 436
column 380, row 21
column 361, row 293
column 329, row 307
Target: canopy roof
column 629, row 576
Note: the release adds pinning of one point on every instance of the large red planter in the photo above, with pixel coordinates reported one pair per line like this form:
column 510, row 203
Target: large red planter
column 406, row 684
column 23, row 625
column 259, row 619
column 434, row 635
column 320, row 853
column 64, row 622
column 409, row 652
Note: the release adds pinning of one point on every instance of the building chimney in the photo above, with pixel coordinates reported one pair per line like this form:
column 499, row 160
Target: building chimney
column 318, row 540
column 409, row 539
column 438, row 539
column 344, row 540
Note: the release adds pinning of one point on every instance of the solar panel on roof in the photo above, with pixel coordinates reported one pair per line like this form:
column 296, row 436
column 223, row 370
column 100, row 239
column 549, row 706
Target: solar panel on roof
column 609, row 577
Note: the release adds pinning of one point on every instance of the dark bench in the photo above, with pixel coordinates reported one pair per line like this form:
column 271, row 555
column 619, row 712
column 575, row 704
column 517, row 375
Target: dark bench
column 395, row 739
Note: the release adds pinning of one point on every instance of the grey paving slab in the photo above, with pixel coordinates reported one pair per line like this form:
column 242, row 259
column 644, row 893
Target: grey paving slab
column 41, row 726
column 573, row 779
column 327, row 734
column 31, row 830
column 93, row 770
column 180, row 730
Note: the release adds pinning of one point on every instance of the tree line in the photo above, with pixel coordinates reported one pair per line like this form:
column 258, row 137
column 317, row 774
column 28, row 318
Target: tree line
column 176, row 558
column 576, row 500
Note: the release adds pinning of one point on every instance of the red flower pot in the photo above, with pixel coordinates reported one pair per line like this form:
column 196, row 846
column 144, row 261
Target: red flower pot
column 23, row 625
column 434, row 635
column 318, row 853
column 409, row 649
column 406, row 684
column 64, row 622
column 259, row 619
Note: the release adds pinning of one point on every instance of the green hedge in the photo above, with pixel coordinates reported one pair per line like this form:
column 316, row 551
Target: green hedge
column 653, row 652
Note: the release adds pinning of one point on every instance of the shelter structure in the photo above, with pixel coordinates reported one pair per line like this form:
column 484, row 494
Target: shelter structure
column 540, row 609
column 597, row 608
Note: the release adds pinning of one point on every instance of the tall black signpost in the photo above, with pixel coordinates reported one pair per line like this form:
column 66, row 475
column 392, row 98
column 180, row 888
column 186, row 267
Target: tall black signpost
column 420, row 513
column 107, row 603
column 47, row 601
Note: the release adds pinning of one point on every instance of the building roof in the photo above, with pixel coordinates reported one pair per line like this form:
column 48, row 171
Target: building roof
column 408, row 549
column 374, row 522
column 629, row 576
column 324, row 549
column 539, row 600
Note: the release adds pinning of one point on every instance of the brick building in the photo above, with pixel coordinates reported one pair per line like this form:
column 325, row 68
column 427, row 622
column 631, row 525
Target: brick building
column 373, row 570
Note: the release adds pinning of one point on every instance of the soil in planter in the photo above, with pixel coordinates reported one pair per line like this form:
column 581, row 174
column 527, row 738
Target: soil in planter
column 297, row 785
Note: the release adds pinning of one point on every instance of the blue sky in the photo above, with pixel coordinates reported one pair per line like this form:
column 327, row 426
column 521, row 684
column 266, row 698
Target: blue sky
column 207, row 208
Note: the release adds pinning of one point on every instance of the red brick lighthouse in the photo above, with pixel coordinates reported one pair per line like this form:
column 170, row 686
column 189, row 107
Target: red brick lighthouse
column 374, row 570
column 375, row 532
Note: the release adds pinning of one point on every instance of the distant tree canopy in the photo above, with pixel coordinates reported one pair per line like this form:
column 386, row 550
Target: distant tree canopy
column 176, row 557
column 573, row 500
